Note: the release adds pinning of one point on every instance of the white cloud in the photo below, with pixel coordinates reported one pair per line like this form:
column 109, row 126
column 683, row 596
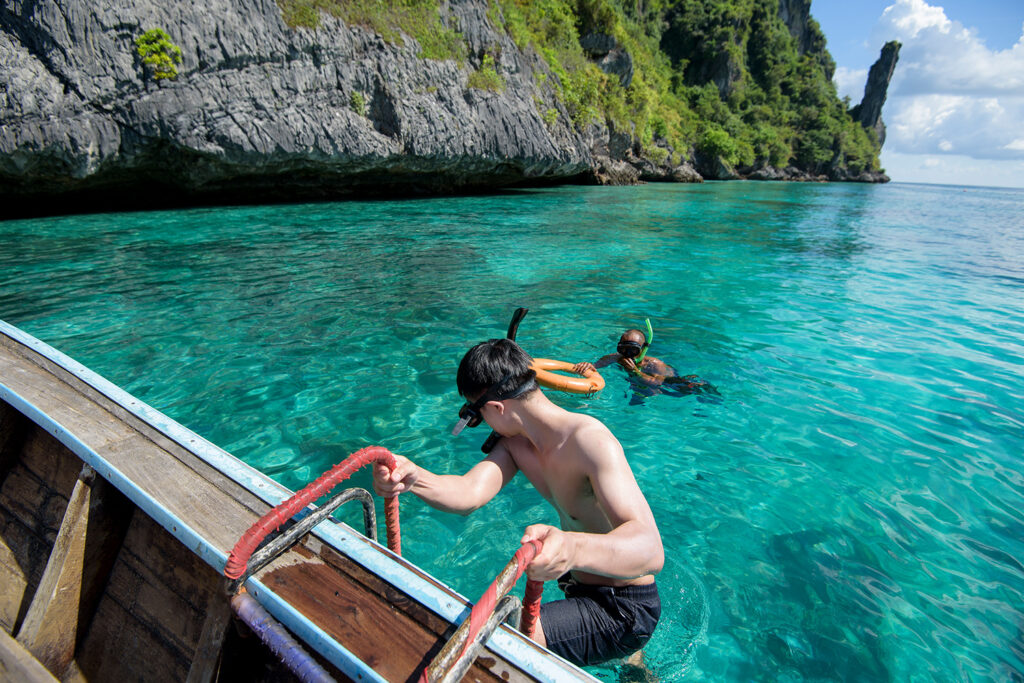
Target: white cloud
column 850, row 83
column 914, row 16
column 981, row 127
column 950, row 94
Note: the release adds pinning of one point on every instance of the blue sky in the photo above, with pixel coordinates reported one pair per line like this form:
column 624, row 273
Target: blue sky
column 955, row 110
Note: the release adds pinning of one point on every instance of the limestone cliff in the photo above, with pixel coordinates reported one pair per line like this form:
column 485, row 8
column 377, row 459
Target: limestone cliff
column 796, row 15
column 869, row 112
column 259, row 108
column 265, row 110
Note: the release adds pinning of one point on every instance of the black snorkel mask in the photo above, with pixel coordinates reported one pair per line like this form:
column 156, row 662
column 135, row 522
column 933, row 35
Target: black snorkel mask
column 630, row 348
column 470, row 415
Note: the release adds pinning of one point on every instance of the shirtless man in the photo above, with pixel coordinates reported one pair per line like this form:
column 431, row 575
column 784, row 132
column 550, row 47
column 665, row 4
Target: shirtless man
column 608, row 548
column 652, row 376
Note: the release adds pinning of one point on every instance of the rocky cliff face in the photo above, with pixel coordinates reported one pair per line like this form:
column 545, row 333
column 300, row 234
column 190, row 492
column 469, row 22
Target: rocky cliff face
column 869, row 112
column 260, row 109
column 796, row 15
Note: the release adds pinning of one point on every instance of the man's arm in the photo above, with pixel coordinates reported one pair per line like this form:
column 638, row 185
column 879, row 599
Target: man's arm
column 461, row 494
column 633, row 547
column 582, row 368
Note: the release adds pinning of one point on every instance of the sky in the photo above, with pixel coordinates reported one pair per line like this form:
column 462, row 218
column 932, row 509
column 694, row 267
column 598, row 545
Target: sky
column 955, row 108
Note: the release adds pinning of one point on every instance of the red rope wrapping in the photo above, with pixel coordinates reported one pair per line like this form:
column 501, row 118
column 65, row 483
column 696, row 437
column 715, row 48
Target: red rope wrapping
column 484, row 607
column 270, row 522
column 531, row 607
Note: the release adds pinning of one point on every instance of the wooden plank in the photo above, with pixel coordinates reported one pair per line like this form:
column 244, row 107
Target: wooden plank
column 53, row 398
column 31, row 510
column 13, row 583
column 150, row 620
column 18, row 664
column 119, row 647
column 197, row 501
column 215, row 628
column 110, row 514
column 50, row 628
column 387, row 633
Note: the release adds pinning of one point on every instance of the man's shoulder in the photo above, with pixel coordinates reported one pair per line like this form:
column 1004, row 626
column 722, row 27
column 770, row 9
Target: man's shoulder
column 583, row 423
column 658, row 365
column 592, row 437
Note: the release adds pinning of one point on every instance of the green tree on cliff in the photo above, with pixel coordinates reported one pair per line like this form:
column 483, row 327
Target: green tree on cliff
column 159, row 55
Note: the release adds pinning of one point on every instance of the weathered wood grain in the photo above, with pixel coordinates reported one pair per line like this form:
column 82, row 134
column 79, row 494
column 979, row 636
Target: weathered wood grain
column 50, row 628
column 18, row 665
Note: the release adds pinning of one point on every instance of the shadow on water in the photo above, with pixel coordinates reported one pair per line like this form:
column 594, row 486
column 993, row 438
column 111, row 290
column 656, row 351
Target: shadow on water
column 824, row 647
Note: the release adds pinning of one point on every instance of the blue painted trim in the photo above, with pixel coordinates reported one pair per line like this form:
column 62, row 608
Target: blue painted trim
column 336, row 653
column 374, row 557
column 152, row 507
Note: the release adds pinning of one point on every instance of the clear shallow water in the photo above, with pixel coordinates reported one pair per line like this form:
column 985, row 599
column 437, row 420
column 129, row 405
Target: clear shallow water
column 851, row 510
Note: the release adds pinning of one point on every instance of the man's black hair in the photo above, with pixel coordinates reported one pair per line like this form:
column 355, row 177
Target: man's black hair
column 487, row 363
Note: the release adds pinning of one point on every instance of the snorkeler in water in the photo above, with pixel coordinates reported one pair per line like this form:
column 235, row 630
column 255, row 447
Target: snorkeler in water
column 647, row 374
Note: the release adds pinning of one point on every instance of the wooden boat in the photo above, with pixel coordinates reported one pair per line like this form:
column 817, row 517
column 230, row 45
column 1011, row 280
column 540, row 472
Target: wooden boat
column 115, row 526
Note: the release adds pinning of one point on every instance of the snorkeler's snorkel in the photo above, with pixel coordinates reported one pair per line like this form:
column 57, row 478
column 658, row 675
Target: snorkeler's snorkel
column 647, row 344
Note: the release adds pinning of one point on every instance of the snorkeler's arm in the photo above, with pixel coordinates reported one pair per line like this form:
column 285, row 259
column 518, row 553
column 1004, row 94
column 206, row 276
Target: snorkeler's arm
column 607, row 360
column 633, row 547
column 456, row 493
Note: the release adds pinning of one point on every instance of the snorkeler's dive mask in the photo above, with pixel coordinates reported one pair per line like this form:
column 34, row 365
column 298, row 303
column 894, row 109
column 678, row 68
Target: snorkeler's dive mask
column 629, row 348
column 470, row 414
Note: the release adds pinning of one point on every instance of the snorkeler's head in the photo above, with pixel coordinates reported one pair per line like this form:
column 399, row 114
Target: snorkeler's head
column 500, row 365
column 631, row 343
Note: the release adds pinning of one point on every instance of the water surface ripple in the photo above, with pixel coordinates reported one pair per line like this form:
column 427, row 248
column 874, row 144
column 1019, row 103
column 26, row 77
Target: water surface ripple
column 851, row 510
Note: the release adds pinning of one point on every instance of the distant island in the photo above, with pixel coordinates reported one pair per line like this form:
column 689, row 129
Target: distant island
column 168, row 104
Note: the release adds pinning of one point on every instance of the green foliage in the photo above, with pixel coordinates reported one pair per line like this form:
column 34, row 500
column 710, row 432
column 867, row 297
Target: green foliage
column 158, row 53
column 486, row 77
column 357, row 102
column 722, row 77
column 419, row 19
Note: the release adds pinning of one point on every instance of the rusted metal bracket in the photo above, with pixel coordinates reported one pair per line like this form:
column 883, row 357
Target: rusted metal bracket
column 265, row 555
column 449, row 666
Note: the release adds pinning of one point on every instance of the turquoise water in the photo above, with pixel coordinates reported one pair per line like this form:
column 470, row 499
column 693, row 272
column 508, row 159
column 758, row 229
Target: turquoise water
column 852, row 508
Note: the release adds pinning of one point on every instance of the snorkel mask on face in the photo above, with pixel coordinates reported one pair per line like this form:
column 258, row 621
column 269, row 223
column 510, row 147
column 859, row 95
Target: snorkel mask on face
column 471, row 413
column 629, row 348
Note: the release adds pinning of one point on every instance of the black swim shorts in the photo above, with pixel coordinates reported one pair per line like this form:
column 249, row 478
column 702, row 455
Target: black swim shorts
column 596, row 623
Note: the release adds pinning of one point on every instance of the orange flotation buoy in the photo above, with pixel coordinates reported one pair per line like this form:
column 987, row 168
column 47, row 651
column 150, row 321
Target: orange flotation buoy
column 589, row 383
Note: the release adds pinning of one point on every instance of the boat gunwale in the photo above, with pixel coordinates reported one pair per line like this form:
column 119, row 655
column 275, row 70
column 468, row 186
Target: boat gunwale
column 375, row 558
